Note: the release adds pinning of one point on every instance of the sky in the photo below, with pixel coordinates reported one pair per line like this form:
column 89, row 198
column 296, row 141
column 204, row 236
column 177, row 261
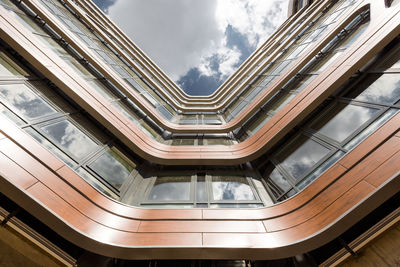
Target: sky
column 197, row 43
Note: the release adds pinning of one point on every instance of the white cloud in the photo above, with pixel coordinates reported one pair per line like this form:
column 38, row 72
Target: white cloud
column 256, row 19
column 182, row 34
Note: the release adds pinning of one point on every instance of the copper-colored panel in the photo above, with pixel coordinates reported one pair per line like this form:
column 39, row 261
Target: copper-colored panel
column 26, row 161
column 105, row 234
column 387, row 169
column 329, row 214
column 124, row 210
column 15, row 173
column 202, row 226
column 371, row 142
column 27, row 142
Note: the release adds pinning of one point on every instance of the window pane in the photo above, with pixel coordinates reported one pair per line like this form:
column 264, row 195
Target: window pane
column 301, row 155
column 96, row 184
column 343, row 120
column 217, row 141
column 279, row 180
column 7, row 68
column 113, row 167
column 25, row 101
column 70, row 138
column 201, row 193
column 44, row 142
column 171, row 189
column 385, row 90
column 182, row 142
column 231, row 188
column 322, row 168
column 11, row 115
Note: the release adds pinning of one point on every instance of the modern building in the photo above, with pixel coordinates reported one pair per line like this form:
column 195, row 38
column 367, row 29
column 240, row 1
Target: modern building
column 293, row 161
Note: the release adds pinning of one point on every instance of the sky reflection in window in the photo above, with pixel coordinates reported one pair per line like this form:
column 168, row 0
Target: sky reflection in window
column 25, row 101
column 70, row 138
column 113, row 167
column 171, row 188
column 384, row 90
column 301, row 155
column 343, row 120
column 231, row 188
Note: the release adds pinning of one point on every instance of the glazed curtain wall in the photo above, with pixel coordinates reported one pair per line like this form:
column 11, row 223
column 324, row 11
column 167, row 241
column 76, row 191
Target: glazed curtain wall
column 64, row 130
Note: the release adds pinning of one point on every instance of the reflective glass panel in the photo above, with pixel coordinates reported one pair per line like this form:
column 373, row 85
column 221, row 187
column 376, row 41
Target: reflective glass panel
column 29, row 104
column 385, row 90
column 70, row 138
column 343, row 120
column 96, row 184
column 171, row 188
column 113, row 167
column 201, row 193
column 301, row 155
column 279, row 180
column 44, row 142
column 231, row 188
column 11, row 115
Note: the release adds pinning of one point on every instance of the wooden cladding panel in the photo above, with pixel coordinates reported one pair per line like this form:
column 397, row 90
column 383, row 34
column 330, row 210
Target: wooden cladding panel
column 16, row 175
column 202, row 226
column 101, row 219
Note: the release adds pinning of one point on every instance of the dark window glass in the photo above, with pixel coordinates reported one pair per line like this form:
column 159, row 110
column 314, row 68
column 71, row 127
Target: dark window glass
column 113, row 167
column 25, row 101
column 70, row 138
column 171, row 189
column 301, row 155
column 231, row 188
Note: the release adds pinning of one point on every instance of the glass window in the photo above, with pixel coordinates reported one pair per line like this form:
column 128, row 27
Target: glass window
column 279, row 180
column 29, row 104
column 169, row 188
column 96, row 184
column 355, row 35
column 217, row 141
column 102, row 89
column 301, row 155
column 78, row 67
column 11, row 115
column 27, row 22
column 396, row 65
column 53, row 45
column 9, row 68
column 385, row 90
column 201, row 192
column 231, row 188
column 70, row 138
column 182, row 142
column 149, row 131
column 113, row 167
column 164, row 112
column 342, row 120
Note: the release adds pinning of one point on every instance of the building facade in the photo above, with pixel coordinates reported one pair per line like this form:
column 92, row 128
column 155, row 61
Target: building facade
column 293, row 161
